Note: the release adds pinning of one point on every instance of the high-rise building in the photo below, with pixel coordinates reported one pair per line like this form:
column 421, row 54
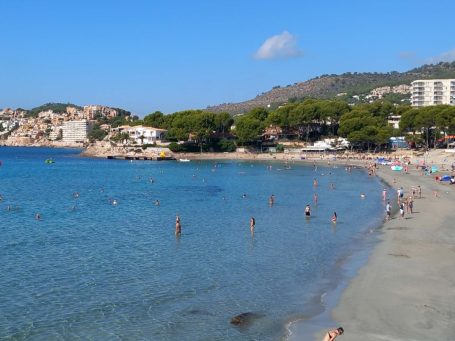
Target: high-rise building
column 75, row 131
column 432, row 92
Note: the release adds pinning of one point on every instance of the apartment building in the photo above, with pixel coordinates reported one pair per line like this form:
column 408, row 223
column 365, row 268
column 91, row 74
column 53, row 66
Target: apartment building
column 432, row 92
column 75, row 131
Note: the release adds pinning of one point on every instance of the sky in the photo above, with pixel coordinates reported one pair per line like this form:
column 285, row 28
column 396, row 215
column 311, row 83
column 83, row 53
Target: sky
column 174, row 55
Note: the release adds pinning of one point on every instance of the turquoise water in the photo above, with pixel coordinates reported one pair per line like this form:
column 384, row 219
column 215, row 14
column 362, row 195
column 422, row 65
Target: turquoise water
column 92, row 270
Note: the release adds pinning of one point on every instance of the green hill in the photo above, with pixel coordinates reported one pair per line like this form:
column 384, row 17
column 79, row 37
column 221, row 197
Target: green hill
column 55, row 107
column 328, row 86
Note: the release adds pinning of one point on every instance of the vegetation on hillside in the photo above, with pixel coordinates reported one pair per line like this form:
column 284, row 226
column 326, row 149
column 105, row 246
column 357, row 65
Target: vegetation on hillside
column 55, row 107
column 329, row 86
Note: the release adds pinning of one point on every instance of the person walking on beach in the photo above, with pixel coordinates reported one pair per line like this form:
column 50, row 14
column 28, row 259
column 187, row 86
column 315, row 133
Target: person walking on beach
column 178, row 226
column 410, row 203
column 384, row 194
column 388, row 211
column 252, row 224
column 333, row 334
column 401, row 210
column 420, row 191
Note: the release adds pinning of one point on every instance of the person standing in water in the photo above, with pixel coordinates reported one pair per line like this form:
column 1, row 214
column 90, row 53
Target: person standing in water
column 315, row 183
column 308, row 210
column 334, row 217
column 252, row 224
column 178, row 226
column 384, row 194
column 315, row 198
column 271, row 200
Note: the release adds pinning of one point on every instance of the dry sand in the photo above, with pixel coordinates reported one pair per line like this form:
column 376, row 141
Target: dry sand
column 407, row 289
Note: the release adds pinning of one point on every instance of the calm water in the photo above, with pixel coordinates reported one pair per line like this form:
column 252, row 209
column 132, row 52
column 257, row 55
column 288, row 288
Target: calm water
column 92, row 270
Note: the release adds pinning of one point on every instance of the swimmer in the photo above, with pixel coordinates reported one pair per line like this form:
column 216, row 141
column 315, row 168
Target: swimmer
column 151, row 180
column 334, row 217
column 76, row 195
column 157, row 202
column 362, row 195
column 315, row 183
column 114, row 202
column 271, row 200
column 315, row 198
column 178, row 226
column 37, row 216
column 252, row 224
column 243, row 195
column 308, row 210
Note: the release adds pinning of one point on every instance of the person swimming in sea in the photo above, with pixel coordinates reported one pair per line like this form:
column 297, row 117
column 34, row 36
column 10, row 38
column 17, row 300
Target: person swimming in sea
column 38, row 216
column 271, row 200
column 157, row 202
column 315, row 183
column 315, row 198
column 334, row 217
column 252, row 224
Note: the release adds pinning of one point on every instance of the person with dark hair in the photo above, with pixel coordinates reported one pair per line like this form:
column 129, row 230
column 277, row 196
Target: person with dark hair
column 332, row 334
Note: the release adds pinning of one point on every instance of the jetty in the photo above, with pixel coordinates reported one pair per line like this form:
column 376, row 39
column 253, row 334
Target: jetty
column 140, row 157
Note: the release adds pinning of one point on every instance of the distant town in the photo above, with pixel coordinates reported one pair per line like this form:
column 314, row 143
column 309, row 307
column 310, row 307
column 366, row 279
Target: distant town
column 81, row 126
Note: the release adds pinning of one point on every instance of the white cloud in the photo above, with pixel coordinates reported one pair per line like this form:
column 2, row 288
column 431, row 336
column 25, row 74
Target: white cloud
column 282, row 45
column 448, row 56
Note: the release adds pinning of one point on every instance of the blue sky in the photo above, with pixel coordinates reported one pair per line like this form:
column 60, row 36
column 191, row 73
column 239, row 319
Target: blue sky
column 174, row 55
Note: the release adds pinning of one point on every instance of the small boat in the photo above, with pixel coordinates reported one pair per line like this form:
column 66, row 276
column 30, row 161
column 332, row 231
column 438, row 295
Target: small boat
column 184, row 160
column 49, row 161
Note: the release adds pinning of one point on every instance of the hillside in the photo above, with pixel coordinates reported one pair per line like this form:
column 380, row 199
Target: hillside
column 55, row 107
column 328, row 86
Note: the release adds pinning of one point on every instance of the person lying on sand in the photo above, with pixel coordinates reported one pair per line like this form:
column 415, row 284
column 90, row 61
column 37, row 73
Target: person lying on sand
column 332, row 334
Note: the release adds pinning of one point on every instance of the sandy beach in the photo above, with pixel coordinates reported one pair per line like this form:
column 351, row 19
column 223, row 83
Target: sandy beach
column 407, row 289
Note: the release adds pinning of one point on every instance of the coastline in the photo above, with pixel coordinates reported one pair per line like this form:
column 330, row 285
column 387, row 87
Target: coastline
column 405, row 289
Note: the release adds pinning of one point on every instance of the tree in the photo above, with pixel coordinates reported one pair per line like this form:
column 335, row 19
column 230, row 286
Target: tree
column 248, row 129
column 155, row 119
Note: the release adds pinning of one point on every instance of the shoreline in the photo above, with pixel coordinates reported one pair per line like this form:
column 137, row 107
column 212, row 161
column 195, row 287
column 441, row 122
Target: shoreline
column 404, row 288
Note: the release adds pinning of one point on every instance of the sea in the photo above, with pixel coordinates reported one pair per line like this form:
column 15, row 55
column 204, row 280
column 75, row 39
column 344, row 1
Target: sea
column 103, row 261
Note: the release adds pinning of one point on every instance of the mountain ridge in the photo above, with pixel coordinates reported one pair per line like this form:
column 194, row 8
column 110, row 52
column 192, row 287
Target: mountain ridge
column 328, row 86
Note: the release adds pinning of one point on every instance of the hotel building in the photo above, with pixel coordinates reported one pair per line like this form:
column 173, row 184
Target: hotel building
column 75, row 131
column 432, row 92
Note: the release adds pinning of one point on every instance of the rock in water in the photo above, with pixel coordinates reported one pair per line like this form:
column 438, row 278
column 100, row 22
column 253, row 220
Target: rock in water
column 245, row 318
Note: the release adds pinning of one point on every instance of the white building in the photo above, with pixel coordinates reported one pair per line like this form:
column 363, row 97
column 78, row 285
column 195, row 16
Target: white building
column 432, row 92
column 75, row 131
column 143, row 135
column 394, row 121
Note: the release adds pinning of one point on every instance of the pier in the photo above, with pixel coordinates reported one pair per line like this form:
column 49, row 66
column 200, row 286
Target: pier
column 135, row 157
